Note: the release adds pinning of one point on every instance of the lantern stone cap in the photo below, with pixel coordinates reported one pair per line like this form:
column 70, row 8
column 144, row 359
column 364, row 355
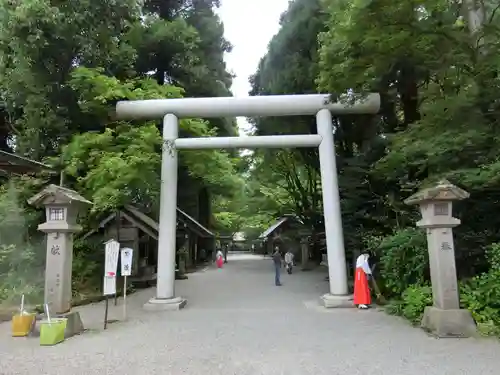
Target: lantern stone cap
column 54, row 194
column 443, row 191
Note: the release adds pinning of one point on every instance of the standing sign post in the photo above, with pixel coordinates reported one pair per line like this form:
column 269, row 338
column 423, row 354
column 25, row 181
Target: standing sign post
column 126, row 265
column 111, row 249
column 118, row 220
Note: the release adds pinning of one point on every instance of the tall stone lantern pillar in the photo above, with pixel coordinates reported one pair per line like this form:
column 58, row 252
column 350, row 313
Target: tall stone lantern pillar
column 61, row 209
column 444, row 318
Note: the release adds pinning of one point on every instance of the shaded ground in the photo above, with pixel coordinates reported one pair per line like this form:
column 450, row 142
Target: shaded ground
column 238, row 322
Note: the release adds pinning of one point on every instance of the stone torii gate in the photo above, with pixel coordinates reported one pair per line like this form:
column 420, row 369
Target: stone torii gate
column 318, row 105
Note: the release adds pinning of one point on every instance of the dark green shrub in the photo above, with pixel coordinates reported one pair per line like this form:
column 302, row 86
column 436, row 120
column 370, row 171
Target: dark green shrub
column 412, row 304
column 481, row 294
column 415, row 299
column 22, row 254
column 88, row 266
column 404, row 260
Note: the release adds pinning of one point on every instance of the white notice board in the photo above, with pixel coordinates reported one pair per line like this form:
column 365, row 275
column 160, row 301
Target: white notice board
column 109, row 285
column 111, row 249
column 126, row 261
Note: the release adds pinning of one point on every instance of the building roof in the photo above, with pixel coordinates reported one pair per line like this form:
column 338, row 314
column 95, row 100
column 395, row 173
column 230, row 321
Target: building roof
column 200, row 229
column 279, row 222
column 143, row 217
column 15, row 164
column 150, row 226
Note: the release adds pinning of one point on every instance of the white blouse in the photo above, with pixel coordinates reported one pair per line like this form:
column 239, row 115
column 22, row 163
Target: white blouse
column 362, row 262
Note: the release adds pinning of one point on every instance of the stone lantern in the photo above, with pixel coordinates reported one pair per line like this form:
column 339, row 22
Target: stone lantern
column 61, row 209
column 444, row 318
column 304, row 235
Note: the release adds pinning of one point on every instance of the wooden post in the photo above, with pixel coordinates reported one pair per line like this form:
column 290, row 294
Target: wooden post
column 106, row 309
column 118, row 224
column 125, row 298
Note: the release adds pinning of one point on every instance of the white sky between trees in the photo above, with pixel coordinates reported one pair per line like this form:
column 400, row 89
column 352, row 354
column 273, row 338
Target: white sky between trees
column 249, row 27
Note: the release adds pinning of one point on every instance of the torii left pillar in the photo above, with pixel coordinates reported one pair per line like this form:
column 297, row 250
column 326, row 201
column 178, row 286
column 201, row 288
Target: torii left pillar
column 165, row 284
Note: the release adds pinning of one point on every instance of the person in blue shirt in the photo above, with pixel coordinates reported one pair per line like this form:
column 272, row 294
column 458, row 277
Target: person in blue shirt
column 277, row 266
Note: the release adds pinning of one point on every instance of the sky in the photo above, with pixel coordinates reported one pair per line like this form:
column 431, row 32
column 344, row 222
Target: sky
column 249, row 26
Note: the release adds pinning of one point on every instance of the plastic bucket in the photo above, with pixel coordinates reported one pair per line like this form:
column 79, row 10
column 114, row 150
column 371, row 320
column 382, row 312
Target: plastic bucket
column 52, row 333
column 22, row 324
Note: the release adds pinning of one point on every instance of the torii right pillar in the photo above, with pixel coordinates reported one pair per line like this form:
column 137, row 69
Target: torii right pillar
column 445, row 318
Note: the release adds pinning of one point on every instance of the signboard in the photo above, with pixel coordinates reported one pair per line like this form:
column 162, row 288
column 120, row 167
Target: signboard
column 112, row 248
column 126, row 261
column 109, row 285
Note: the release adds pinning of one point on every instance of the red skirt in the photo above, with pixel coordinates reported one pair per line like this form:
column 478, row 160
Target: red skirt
column 219, row 262
column 362, row 294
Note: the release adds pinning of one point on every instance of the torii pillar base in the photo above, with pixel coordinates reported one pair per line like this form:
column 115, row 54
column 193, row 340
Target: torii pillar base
column 167, row 304
column 330, row 301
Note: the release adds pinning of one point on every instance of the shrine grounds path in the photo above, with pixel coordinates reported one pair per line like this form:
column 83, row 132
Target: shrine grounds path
column 237, row 322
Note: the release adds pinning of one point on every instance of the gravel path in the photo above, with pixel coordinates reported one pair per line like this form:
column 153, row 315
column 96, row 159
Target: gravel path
column 238, row 322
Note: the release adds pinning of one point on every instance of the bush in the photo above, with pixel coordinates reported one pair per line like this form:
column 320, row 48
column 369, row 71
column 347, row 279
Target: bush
column 88, row 266
column 21, row 272
column 412, row 304
column 481, row 294
column 493, row 256
column 22, row 256
column 404, row 260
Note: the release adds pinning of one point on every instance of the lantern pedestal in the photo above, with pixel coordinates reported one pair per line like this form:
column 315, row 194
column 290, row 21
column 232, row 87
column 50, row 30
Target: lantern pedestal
column 448, row 323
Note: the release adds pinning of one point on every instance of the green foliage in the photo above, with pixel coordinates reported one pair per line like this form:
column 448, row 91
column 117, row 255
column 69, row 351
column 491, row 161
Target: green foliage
column 88, row 267
column 122, row 164
column 116, row 167
column 21, row 256
column 481, row 295
column 413, row 301
column 21, row 272
column 248, row 209
column 493, row 256
column 38, row 56
column 404, row 259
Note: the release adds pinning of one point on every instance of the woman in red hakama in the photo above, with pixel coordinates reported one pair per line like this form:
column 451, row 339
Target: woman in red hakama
column 219, row 259
column 362, row 296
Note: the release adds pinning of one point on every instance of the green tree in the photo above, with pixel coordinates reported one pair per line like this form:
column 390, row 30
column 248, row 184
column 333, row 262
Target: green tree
column 37, row 58
column 122, row 164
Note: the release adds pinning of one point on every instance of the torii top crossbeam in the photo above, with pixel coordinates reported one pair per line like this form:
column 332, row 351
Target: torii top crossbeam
column 252, row 106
